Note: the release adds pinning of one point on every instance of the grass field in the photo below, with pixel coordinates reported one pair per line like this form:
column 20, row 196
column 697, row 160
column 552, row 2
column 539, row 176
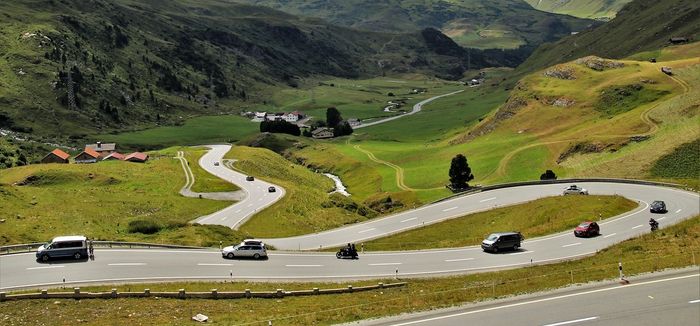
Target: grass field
column 196, row 131
column 533, row 219
column 306, row 208
column 412, row 154
column 101, row 200
column 671, row 247
column 203, row 180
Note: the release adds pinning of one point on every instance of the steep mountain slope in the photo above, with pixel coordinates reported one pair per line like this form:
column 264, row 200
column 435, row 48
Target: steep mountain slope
column 597, row 9
column 472, row 23
column 69, row 68
column 642, row 25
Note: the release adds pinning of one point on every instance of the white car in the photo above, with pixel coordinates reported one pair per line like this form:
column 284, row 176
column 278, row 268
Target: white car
column 244, row 249
column 575, row 190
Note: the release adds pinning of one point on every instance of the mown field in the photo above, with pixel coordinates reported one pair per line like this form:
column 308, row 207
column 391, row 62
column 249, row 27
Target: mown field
column 672, row 247
column 533, row 219
column 106, row 201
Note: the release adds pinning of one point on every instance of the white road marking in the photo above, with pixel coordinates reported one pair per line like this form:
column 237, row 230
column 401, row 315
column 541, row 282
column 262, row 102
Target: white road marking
column 694, row 301
column 238, row 211
column 260, row 199
column 573, row 321
column 638, row 226
column 409, row 219
column 224, row 217
column 542, row 300
column 661, row 218
column 487, row 199
column 303, row 265
column 571, row 245
column 523, row 252
column 363, row 231
column 461, row 259
column 206, row 264
column 249, row 205
column 449, row 209
column 45, row 267
column 609, row 235
column 384, row 264
column 678, row 211
column 127, row 264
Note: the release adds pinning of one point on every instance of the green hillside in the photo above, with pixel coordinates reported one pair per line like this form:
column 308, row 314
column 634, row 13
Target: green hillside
column 471, row 23
column 642, row 25
column 73, row 68
column 596, row 9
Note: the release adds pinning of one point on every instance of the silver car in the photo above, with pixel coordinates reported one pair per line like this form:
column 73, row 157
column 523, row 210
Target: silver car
column 256, row 251
column 575, row 190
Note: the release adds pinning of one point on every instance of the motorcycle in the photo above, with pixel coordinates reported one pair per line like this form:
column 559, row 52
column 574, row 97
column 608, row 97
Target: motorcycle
column 654, row 225
column 346, row 253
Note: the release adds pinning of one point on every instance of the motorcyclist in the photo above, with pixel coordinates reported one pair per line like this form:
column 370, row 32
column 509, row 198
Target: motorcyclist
column 353, row 251
column 653, row 224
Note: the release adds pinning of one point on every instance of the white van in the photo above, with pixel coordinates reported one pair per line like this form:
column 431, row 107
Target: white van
column 67, row 246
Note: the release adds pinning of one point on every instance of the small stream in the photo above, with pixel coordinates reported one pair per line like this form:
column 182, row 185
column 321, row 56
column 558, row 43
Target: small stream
column 339, row 187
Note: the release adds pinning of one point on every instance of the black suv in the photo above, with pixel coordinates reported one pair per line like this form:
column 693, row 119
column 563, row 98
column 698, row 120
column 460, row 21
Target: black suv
column 501, row 241
column 658, row 206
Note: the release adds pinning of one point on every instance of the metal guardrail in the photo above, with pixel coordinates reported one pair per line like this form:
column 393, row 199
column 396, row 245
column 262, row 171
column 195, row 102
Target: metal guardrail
column 29, row 247
column 182, row 294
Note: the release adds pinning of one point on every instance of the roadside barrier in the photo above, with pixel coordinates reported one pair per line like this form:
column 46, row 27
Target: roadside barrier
column 182, row 294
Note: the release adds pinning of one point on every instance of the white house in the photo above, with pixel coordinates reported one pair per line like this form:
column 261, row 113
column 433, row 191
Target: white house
column 259, row 116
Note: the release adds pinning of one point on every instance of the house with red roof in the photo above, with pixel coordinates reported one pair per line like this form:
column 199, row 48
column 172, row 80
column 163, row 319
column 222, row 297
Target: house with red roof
column 88, row 155
column 56, row 156
column 114, row 156
column 136, row 157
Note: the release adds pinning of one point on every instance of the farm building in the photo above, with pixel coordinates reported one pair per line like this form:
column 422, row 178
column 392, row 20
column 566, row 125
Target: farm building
column 56, row 156
column 136, row 157
column 114, row 156
column 103, row 149
column 87, row 156
column 320, row 133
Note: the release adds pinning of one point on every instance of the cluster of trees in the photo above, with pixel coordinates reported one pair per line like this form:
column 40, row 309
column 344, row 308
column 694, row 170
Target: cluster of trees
column 280, row 126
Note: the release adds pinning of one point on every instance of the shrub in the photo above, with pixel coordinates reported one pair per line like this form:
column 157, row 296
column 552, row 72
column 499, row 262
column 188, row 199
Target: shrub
column 144, row 226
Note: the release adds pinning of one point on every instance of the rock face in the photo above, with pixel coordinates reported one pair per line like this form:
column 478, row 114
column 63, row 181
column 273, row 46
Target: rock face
column 599, row 64
column 561, row 72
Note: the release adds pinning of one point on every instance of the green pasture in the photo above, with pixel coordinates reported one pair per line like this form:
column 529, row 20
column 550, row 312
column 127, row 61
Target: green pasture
column 306, row 207
column 196, row 131
column 99, row 200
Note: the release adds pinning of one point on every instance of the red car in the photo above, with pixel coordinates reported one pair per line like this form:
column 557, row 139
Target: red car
column 587, row 229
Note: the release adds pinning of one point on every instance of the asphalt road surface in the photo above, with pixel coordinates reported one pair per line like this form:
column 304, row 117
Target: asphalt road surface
column 114, row 265
column 681, row 205
column 647, row 301
column 257, row 195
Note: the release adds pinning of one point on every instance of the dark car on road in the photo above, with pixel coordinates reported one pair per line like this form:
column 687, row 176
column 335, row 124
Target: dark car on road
column 271, row 189
column 249, row 178
column 658, row 206
column 496, row 242
column 587, row 229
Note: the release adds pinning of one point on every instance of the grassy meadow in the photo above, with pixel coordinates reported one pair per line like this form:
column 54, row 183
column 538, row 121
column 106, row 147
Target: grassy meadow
column 102, row 200
column 196, row 131
column 592, row 135
column 671, row 247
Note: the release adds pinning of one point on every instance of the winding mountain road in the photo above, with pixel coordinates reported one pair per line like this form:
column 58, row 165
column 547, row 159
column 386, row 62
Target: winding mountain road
column 130, row 265
column 256, row 198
